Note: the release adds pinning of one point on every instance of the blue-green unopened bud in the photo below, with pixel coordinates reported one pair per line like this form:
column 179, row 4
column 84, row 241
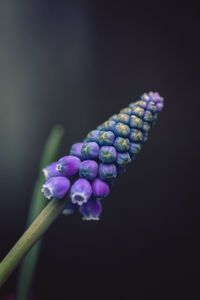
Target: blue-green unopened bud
column 107, row 154
column 123, row 159
column 122, row 144
column 122, row 130
column 136, row 135
column 90, row 150
column 106, row 138
column 123, row 118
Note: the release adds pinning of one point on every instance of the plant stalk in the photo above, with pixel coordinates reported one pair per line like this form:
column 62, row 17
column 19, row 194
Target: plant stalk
column 30, row 237
column 38, row 202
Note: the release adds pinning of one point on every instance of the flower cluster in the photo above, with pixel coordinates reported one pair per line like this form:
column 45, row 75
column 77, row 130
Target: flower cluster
column 88, row 172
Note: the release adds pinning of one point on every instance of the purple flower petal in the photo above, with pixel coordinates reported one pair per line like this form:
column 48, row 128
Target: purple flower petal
column 68, row 165
column 51, row 171
column 81, row 191
column 56, row 187
column 91, row 210
column 88, row 169
column 100, row 188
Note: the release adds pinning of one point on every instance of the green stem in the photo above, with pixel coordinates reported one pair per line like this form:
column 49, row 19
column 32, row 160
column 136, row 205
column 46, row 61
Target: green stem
column 30, row 237
column 38, row 202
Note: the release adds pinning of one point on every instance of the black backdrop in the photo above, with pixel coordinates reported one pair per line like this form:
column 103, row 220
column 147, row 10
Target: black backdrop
column 76, row 63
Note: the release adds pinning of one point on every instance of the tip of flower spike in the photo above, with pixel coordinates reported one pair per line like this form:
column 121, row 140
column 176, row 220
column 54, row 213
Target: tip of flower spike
column 155, row 97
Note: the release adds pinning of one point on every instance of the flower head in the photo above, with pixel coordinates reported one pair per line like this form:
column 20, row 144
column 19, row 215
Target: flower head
column 102, row 157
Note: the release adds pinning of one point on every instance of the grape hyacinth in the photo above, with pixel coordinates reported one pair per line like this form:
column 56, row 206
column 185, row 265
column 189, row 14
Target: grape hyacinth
column 93, row 165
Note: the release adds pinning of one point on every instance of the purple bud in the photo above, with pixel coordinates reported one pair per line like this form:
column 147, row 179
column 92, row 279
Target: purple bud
column 159, row 106
column 68, row 165
column 88, row 169
column 107, row 154
column 107, row 171
column 92, row 136
column 56, row 187
column 76, row 150
column 151, row 106
column 90, row 150
column 134, row 148
column 81, row 191
column 91, row 210
column 123, row 159
column 69, row 209
column 51, row 171
column 100, row 188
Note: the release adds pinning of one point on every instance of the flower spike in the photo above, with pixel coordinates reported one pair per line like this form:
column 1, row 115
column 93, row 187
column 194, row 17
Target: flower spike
column 103, row 156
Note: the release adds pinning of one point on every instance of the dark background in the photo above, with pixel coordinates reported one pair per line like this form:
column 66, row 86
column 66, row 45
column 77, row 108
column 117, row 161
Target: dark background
column 76, row 63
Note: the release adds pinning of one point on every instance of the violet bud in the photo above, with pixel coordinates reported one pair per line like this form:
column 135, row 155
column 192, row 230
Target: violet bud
column 100, row 188
column 81, row 191
column 134, row 148
column 76, row 150
column 88, row 169
column 90, row 150
column 107, row 171
column 55, row 187
column 92, row 136
column 159, row 106
column 91, row 210
column 107, row 154
column 68, row 165
column 51, row 171
column 151, row 106
column 123, row 159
